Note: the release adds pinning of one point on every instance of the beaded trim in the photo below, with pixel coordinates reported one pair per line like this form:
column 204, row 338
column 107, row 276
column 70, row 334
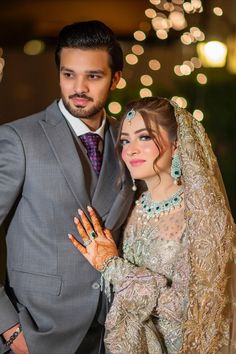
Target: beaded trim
column 130, row 115
column 150, row 209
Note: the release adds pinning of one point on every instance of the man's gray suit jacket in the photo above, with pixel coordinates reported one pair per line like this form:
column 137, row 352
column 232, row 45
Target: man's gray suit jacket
column 45, row 176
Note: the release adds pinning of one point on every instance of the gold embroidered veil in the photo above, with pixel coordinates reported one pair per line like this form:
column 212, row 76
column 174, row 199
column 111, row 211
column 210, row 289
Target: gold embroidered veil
column 210, row 327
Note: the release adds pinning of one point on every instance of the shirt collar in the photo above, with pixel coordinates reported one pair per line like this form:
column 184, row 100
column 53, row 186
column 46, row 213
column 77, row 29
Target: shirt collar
column 78, row 126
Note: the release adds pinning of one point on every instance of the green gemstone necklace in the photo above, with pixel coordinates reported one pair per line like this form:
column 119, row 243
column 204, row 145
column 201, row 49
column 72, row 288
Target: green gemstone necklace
column 149, row 208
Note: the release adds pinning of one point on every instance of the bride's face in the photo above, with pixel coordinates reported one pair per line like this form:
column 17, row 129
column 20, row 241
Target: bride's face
column 139, row 150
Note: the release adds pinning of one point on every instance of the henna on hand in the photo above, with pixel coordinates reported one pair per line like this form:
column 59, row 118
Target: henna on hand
column 101, row 247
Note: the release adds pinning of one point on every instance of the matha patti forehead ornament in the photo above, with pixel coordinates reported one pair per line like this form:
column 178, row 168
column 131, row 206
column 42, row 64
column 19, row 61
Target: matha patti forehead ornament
column 130, row 115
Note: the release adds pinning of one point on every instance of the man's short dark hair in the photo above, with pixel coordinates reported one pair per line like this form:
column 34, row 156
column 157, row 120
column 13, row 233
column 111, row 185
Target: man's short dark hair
column 90, row 35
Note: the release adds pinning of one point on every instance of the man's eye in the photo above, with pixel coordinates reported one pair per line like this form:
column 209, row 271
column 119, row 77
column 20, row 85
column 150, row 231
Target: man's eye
column 124, row 142
column 68, row 75
column 94, row 76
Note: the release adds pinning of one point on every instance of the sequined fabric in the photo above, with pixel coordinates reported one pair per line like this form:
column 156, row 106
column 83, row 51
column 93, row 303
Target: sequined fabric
column 151, row 283
column 175, row 286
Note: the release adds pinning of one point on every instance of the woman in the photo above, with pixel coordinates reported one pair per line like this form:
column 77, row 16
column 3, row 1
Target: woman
column 173, row 280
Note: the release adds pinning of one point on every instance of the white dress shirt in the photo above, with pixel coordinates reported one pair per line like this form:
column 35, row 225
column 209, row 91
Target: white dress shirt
column 80, row 127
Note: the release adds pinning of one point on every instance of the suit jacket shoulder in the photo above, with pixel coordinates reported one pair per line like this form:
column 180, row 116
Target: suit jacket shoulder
column 33, row 119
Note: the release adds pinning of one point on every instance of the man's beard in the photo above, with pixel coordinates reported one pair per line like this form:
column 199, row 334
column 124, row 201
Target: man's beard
column 81, row 112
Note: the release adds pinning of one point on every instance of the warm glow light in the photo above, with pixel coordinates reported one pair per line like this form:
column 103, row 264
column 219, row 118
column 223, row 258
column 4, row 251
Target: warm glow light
column 201, row 37
column 202, row 79
column 218, row 11
column 154, row 64
column 178, row 2
column 189, row 64
column 161, row 34
column 181, row 101
column 177, row 70
column 198, row 114
column 150, row 13
column 168, row 6
column 188, row 7
column 121, row 84
column 34, row 47
column 131, row 59
column 137, row 49
column 196, row 4
column 145, row 92
column 186, row 38
column 231, row 57
column 155, row 2
column 178, row 20
column 139, row 35
column 114, row 107
column 146, row 80
column 196, row 62
column 212, row 54
column 196, row 32
column 185, row 69
column 159, row 21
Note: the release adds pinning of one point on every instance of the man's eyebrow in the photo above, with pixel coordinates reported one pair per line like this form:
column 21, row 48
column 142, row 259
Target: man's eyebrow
column 98, row 71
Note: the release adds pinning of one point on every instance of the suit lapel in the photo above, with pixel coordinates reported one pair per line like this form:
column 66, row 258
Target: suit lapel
column 111, row 200
column 106, row 189
column 71, row 160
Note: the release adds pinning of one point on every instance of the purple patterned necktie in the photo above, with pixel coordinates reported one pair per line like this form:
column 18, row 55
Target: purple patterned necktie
column 91, row 142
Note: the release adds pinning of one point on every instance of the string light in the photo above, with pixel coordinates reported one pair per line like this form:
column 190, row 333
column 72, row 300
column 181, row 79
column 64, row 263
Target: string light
column 198, row 114
column 145, row 92
column 131, row 59
column 154, row 64
column 139, row 35
column 218, row 11
column 201, row 79
column 164, row 17
column 121, row 84
column 114, row 107
column 181, row 101
column 146, row 80
column 34, row 47
column 137, row 49
column 150, row 13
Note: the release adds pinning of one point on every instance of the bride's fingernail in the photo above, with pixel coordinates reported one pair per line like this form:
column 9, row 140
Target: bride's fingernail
column 80, row 212
column 89, row 208
column 76, row 220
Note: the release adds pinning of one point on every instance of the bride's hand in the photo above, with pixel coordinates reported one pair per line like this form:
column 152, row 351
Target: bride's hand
column 99, row 245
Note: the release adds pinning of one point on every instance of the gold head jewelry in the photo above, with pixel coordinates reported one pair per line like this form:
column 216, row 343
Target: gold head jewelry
column 130, row 115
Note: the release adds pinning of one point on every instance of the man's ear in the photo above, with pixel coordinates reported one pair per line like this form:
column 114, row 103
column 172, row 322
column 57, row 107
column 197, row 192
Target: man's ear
column 115, row 80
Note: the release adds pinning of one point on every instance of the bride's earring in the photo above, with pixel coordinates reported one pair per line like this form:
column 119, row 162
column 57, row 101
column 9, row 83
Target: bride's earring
column 175, row 170
column 134, row 187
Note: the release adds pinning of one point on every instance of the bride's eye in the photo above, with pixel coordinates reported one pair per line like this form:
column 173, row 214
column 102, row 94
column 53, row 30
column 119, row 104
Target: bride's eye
column 145, row 137
column 124, row 142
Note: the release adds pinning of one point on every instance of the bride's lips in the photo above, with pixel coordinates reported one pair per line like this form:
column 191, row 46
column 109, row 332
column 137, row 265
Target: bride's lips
column 136, row 163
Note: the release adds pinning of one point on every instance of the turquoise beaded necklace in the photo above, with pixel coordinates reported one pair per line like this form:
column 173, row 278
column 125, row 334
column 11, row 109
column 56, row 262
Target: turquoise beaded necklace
column 150, row 208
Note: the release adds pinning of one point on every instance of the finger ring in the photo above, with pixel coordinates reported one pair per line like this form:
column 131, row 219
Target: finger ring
column 92, row 235
column 87, row 242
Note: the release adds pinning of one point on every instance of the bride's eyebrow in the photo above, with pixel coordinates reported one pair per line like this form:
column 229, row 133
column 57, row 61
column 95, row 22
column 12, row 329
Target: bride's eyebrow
column 137, row 131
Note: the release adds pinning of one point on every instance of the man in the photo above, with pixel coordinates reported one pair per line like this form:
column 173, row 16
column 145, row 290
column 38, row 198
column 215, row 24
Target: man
column 52, row 303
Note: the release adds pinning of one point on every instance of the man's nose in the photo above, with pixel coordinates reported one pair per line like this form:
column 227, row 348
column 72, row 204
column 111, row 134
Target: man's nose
column 80, row 86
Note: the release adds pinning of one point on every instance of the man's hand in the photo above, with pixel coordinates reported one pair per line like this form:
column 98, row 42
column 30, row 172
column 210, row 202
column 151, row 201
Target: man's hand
column 19, row 345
